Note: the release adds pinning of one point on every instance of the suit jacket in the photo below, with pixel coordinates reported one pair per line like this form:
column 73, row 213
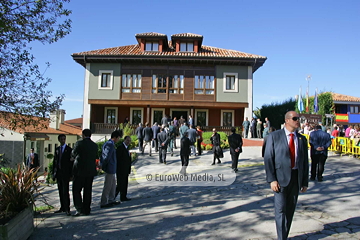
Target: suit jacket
column 155, row 130
column 139, row 132
column 123, row 160
column 185, row 146
column 148, row 134
column 319, row 139
column 163, row 138
column 66, row 163
column 192, row 134
column 36, row 161
column 108, row 157
column 277, row 159
column 235, row 141
column 85, row 154
column 183, row 129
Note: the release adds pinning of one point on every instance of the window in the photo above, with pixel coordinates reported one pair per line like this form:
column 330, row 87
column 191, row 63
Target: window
column 151, row 46
column 105, row 79
column 227, row 118
column 176, row 84
column 204, row 84
column 231, row 83
column 49, row 148
column 110, row 115
column 201, row 118
column 131, row 83
column 157, row 114
column 159, row 84
column 136, row 115
column 186, row 47
column 354, row 109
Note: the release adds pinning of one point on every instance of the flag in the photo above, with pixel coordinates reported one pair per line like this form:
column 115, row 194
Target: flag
column 300, row 103
column 307, row 101
column 316, row 105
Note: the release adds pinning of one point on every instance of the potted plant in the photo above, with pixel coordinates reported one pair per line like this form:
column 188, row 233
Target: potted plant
column 18, row 189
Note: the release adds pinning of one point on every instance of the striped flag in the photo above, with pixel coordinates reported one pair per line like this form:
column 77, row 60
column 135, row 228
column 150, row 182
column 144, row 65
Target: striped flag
column 300, row 103
column 316, row 105
column 307, row 101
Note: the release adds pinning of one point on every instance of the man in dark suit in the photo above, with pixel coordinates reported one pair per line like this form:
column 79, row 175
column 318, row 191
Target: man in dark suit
column 287, row 170
column 62, row 172
column 184, row 152
column 192, row 135
column 148, row 134
column 163, row 140
column 140, row 136
column 123, row 169
column 319, row 142
column 217, row 151
column 85, row 154
column 32, row 160
column 155, row 130
column 235, row 142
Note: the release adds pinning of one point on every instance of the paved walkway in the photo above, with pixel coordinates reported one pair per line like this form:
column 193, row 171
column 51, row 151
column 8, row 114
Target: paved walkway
column 242, row 210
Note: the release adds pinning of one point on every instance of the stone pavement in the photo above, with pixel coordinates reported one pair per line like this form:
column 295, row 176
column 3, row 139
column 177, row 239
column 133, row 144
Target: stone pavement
column 242, row 210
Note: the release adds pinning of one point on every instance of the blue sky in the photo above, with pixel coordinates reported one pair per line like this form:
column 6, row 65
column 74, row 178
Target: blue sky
column 299, row 38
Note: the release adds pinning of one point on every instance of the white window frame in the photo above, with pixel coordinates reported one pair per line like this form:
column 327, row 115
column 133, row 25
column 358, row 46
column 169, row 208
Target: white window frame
column 152, row 114
column 232, row 119
column 152, row 46
column 236, row 89
column 116, row 114
column 207, row 115
column 142, row 114
column 111, row 79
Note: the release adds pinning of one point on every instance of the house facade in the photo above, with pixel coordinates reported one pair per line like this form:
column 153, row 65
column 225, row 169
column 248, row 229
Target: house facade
column 347, row 109
column 156, row 77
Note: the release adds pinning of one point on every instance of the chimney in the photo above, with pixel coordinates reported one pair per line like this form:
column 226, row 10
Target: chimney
column 56, row 118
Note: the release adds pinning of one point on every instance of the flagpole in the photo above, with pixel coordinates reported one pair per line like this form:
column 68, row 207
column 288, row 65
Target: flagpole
column 308, row 79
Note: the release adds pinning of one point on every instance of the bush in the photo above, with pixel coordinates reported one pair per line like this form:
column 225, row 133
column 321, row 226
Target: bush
column 49, row 179
column 208, row 147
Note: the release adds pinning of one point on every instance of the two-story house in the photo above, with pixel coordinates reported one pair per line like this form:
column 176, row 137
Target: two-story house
column 154, row 77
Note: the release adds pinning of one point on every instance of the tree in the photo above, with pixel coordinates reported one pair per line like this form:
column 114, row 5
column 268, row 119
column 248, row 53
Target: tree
column 22, row 85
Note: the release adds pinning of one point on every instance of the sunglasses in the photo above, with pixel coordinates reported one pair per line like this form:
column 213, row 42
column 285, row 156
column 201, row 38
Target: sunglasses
column 295, row 118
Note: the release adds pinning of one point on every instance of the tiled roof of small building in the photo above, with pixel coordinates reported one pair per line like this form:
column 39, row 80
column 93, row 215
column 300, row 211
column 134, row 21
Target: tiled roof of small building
column 344, row 98
column 75, row 120
column 186, row 35
column 150, row 34
column 134, row 50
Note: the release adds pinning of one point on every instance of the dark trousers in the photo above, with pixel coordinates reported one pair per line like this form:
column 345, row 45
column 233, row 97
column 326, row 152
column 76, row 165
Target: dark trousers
column 246, row 132
column 141, row 143
column 285, row 204
column 253, row 133
column 216, row 157
column 317, row 163
column 155, row 144
column 162, row 155
column 82, row 204
column 122, row 185
column 63, row 188
column 198, row 145
column 234, row 160
column 184, row 163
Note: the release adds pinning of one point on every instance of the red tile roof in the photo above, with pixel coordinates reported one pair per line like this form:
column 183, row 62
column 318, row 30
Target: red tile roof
column 134, row 50
column 150, row 34
column 344, row 98
column 186, row 35
column 75, row 120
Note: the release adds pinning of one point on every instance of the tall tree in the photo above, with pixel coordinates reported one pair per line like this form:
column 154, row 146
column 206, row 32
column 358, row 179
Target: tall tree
column 22, row 85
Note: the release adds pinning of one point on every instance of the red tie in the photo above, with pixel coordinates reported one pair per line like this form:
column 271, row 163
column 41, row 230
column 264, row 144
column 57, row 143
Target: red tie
column 292, row 150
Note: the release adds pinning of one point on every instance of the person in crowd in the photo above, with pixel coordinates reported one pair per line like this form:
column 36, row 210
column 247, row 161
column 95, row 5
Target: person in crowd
column 192, row 135
column 148, row 136
column 259, row 128
column 176, row 125
column 235, row 142
column 62, row 172
column 271, row 129
column 199, row 139
column 246, row 127
column 191, row 121
column 155, row 130
column 183, row 129
column 266, row 130
column 123, row 169
column 172, row 138
column 267, row 121
column 347, row 131
column 319, row 142
column 307, row 128
column 126, row 120
column 140, row 136
column 164, row 120
column 32, row 160
column 217, row 151
column 108, row 164
column 163, row 140
column 85, row 153
column 253, row 128
column 181, row 121
column 287, row 170
column 335, row 132
column 184, row 152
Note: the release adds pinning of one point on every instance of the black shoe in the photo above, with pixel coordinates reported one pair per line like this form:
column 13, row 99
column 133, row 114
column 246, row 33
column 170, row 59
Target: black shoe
column 76, row 214
column 106, row 205
column 125, row 199
column 235, row 170
column 115, row 203
column 59, row 211
column 164, row 162
column 219, row 162
column 172, row 154
column 149, row 155
column 213, row 163
column 161, row 162
column 312, row 179
column 320, row 179
column 68, row 213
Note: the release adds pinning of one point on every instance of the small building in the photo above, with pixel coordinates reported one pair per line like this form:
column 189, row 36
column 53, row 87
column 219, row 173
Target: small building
column 347, row 109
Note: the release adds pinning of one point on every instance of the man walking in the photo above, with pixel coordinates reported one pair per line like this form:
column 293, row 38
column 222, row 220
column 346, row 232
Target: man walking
column 123, row 169
column 62, row 172
column 108, row 164
column 163, row 140
column 84, row 170
column 184, row 152
column 32, row 160
column 140, row 136
column 217, row 151
column 235, row 142
column 246, row 126
column 320, row 142
column 287, row 170
column 253, row 128
column 155, row 129
column 148, row 134
column 192, row 134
